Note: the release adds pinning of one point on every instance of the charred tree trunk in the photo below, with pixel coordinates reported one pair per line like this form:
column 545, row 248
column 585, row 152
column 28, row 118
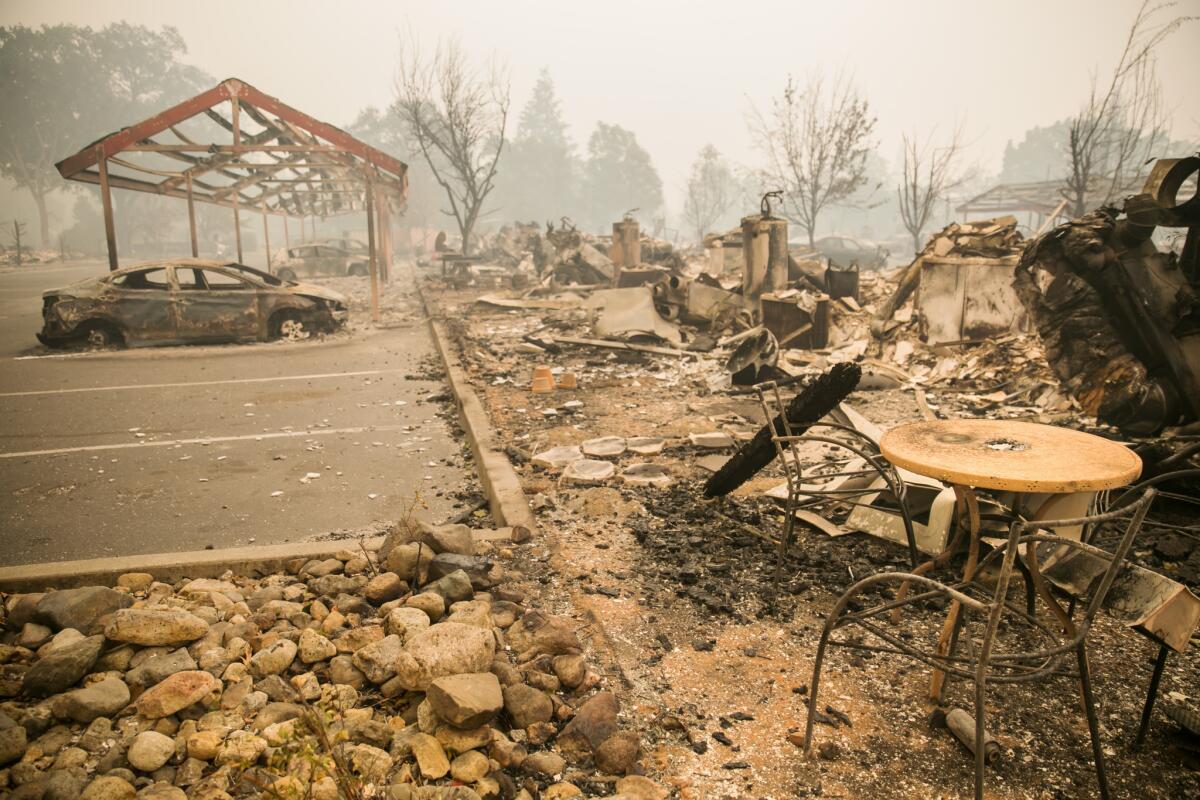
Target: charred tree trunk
column 814, row 401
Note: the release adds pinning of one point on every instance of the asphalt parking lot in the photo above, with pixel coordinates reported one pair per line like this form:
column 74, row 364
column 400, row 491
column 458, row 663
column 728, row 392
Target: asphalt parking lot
column 181, row 448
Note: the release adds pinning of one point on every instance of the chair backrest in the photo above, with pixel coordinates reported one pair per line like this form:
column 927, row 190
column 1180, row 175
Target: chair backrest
column 1093, row 561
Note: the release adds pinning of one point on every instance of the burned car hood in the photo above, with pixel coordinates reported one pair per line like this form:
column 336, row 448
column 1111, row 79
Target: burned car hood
column 320, row 292
column 88, row 287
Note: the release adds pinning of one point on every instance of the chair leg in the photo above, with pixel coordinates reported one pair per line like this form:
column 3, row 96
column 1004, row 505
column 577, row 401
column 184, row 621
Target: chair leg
column 1151, row 696
column 1030, row 594
column 815, row 684
column 1089, row 704
column 980, row 754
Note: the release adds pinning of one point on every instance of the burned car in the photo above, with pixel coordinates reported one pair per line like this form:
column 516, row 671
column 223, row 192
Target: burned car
column 844, row 251
column 322, row 259
column 187, row 300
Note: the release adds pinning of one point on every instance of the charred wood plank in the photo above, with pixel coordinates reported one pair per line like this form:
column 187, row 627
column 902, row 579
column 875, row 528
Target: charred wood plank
column 814, row 401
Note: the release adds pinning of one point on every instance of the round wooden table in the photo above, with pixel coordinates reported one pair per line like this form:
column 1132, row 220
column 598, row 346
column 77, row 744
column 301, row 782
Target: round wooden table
column 1004, row 455
column 1011, row 456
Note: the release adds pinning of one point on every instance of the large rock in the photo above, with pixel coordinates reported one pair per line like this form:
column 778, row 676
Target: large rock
column 593, row 723
column 82, row 608
column 156, row 668
column 468, row 700
column 176, row 693
column 152, row 627
column 378, row 660
column 63, row 668
column 527, row 705
column 618, row 753
column 449, row 648
column 150, row 750
column 102, row 699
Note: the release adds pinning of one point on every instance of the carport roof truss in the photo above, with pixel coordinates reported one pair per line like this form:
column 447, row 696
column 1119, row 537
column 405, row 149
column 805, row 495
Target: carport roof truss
column 235, row 146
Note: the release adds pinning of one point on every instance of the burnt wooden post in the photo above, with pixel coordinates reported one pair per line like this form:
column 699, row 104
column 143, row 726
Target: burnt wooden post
column 110, row 233
column 374, row 267
column 266, row 234
column 192, row 218
column 287, row 242
column 237, row 140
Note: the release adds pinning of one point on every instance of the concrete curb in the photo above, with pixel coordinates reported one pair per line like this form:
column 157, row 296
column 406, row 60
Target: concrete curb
column 506, row 498
column 259, row 560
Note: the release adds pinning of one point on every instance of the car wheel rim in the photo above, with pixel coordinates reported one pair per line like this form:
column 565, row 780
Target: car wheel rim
column 97, row 338
column 292, row 329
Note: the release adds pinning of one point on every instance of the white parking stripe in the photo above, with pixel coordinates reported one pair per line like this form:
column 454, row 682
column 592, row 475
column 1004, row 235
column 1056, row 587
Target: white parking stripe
column 199, row 383
column 204, row 440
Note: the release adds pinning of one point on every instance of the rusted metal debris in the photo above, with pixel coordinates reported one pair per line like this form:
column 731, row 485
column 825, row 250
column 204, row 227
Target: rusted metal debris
column 1119, row 318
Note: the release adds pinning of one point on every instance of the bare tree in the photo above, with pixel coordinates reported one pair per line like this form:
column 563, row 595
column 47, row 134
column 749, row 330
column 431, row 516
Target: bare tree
column 928, row 174
column 1122, row 123
column 457, row 115
column 816, row 141
column 711, row 190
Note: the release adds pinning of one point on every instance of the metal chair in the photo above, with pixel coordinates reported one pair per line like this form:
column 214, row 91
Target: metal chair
column 985, row 663
column 821, row 487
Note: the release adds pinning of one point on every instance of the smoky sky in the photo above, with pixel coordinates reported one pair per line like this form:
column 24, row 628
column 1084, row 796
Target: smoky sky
column 683, row 74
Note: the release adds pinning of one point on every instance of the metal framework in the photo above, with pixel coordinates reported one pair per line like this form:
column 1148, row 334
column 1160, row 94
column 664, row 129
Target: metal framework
column 236, row 147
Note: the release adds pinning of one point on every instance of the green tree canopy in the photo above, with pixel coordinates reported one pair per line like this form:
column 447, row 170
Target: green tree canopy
column 62, row 86
column 618, row 176
column 540, row 173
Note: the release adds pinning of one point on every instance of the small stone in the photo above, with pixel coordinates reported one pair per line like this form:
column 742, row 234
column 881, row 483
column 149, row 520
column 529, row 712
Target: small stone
column 155, row 626
column 343, row 671
column 594, row 721
column 384, row 587
column 460, row 740
column 561, row 791
column 450, row 539
column 570, row 670
column 149, row 751
column 314, row 647
column 527, row 705
column 241, row 748
column 273, row 659
column 155, row 669
column 34, row 636
column 204, row 745
column 431, row 758
column 102, row 699
column 377, row 661
column 370, row 763
column 618, row 753
column 544, row 763
column 109, row 787
column 467, row 700
column 469, row 767
column 538, row 633
column 176, row 693
column 639, row 787
column 135, row 581
column 829, row 751
column 432, row 603
column 454, row 585
column 406, row 621
column 12, row 744
column 358, row 637
column 409, row 560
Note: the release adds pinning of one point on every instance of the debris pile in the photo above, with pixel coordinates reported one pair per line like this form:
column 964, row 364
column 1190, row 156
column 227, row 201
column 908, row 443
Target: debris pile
column 413, row 673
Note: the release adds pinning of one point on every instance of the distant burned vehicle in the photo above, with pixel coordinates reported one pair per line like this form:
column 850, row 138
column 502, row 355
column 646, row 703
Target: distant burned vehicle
column 322, row 259
column 844, row 251
column 188, row 300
